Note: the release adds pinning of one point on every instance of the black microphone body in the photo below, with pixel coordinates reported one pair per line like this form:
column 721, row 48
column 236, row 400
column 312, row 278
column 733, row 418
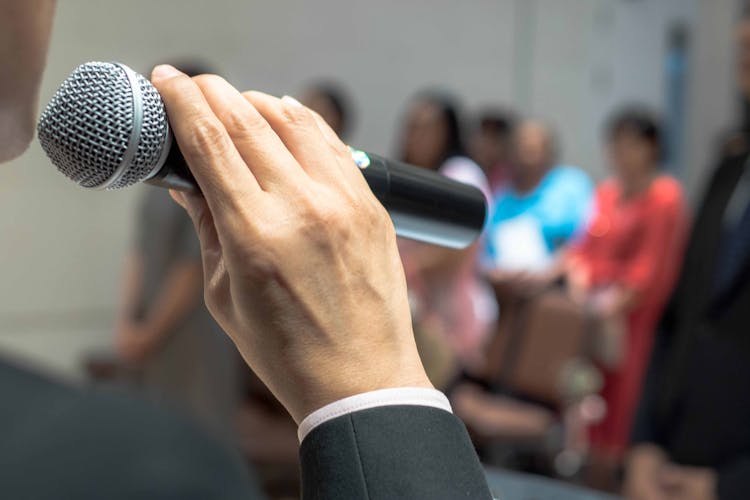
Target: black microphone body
column 106, row 128
column 423, row 205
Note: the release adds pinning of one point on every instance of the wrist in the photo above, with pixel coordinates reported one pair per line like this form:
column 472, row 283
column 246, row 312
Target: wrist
column 398, row 396
column 314, row 389
column 316, row 400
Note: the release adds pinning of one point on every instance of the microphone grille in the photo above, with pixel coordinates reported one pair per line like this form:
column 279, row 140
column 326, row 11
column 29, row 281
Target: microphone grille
column 105, row 126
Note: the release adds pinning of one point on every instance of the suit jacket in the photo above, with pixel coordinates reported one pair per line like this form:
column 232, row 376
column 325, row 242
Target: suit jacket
column 58, row 442
column 696, row 399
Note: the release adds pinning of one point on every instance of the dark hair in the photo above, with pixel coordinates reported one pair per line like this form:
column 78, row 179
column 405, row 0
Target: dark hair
column 497, row 121
column 449, row 113
column 337, row 98
column 639, row 121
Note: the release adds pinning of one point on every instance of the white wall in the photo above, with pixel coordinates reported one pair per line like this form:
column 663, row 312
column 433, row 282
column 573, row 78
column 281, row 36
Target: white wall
column 566, row 60
column 713, row 96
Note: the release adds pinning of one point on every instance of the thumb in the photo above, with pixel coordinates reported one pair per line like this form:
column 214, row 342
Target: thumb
column 203, row 221
column 195, row 206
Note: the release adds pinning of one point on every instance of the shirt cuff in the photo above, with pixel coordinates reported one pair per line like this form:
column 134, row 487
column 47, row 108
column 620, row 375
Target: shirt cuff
column 413, row 396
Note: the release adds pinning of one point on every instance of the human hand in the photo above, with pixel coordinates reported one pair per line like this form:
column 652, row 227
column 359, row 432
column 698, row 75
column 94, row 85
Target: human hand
column 642, row 473
column 688, row 483
column 134, row 342
column 300, row 260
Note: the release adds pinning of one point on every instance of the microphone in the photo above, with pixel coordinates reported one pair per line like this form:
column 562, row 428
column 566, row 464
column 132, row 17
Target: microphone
column 106, row 128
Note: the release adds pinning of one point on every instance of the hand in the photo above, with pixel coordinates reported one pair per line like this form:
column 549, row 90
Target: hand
column 134, row 342
column 521, row 283
column 300, row 260
column 688, row 483
column 607, row 302
column 642, row 473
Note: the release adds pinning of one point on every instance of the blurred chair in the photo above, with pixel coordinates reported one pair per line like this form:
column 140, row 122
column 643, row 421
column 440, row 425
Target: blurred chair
column 541, row 382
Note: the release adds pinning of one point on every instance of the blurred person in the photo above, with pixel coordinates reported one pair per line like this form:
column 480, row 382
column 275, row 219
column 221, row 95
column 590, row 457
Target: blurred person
column 449, row 302
column 336, row 347
column 624, row 266
column 691, row 437
column 432, row 139
column 331, row 102
column 180, row 356
column 491, row 146
column 540, row 210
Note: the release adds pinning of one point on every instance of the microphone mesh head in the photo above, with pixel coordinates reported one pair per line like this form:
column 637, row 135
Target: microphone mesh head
column 87, row 129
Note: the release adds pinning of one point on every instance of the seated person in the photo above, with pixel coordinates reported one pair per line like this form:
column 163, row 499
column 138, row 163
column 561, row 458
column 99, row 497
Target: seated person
column 331, row 102
column 625, row 264
column 543, row 206
column 540, row 209
column 452, row 308
column 491, row 146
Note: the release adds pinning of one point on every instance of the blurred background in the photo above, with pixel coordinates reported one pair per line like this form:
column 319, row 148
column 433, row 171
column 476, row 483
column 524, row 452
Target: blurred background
column 570, row 62
column 567, row 63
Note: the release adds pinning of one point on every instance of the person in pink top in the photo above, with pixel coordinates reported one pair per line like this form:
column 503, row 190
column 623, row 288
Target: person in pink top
column 450, row 305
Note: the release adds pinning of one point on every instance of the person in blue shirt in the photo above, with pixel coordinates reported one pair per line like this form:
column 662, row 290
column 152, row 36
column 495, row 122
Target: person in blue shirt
column 541, row 208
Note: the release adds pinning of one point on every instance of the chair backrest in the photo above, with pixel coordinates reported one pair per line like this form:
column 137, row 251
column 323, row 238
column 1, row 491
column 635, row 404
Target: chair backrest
column 537, row 347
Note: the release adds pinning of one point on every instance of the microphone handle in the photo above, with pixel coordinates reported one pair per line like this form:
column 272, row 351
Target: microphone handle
column 175, row 174
column 423, row 205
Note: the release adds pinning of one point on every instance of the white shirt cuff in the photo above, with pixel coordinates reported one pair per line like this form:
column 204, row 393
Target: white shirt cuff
column 414, row 396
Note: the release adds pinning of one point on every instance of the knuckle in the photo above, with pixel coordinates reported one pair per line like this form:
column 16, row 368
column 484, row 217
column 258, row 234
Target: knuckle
column 207, row 136
column 297, row 116
column 241, row 125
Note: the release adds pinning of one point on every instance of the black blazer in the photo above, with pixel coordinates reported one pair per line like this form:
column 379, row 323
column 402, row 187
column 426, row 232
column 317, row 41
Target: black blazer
column 57, row 442
column 696, row 399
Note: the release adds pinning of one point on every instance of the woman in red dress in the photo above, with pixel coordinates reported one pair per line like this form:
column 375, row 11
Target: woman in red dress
column 625, row 265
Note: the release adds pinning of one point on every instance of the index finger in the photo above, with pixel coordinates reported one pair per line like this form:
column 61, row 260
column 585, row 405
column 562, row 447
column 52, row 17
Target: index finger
column 217, row 166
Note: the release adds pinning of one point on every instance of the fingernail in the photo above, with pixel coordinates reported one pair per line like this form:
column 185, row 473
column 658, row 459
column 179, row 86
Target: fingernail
column 291, row 101
column 164, row 71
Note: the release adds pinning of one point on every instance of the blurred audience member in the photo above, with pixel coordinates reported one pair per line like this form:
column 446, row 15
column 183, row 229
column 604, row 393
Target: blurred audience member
column 164, row 331
column 450, row 304
column 539, row 211
column 624, row 266
column 491, row 146
column 331, row 102
column 691, row 438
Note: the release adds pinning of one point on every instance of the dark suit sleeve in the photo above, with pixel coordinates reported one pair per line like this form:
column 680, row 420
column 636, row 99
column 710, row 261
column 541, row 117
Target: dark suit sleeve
column 734, row 479
column 57, row 442
column 646, row 428
column 392, row 452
